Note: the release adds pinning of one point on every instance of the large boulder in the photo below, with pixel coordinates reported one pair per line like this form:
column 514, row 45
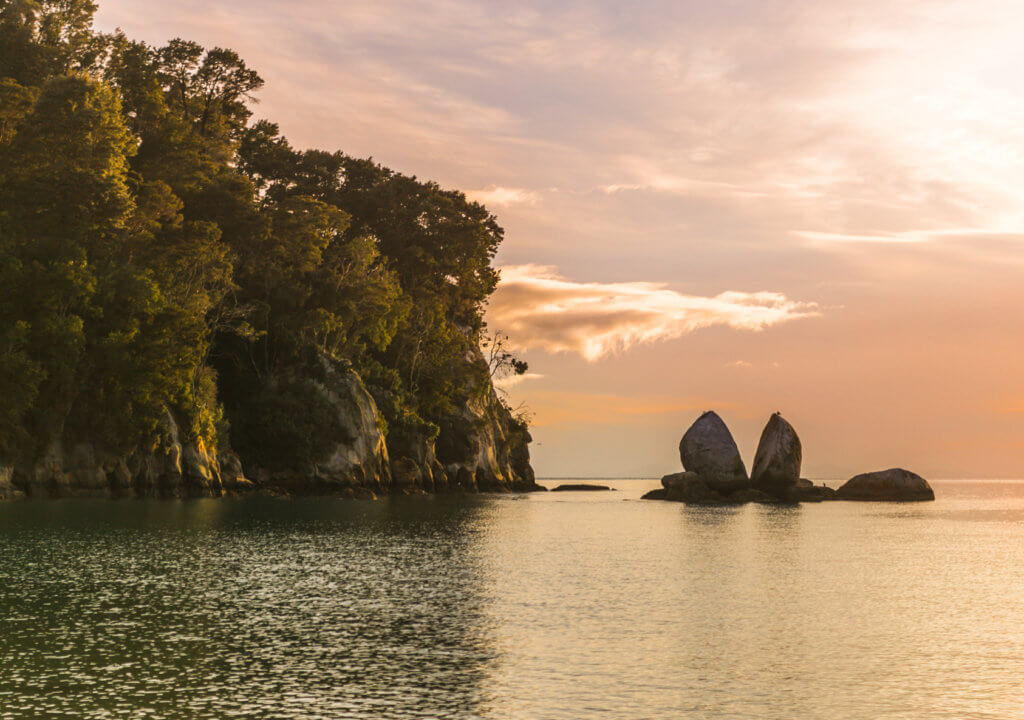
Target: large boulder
column 894, row 485
column 777, row 461
column 709, row 450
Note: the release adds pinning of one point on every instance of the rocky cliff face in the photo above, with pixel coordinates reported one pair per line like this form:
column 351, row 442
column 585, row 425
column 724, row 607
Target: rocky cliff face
column 481, row 448
column 352, row 460
column 176, row 469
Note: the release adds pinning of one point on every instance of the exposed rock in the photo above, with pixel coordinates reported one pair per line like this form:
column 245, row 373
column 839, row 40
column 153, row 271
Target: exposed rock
column 355, row 459
column 689, row 487
column 483, row 440
column 580, row 487
column 681, row 480
column 776, row 467
column 807, row 491
column 175, row 468
column 481, row 447
column 894, row 485
column 8, row 490
column 657, row 494
column 709, row 450
column 414, row 464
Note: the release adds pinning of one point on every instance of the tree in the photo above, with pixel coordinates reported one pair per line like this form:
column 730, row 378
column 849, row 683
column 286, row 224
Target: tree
column 502, row 362
column 41, row 39
column 108, row 309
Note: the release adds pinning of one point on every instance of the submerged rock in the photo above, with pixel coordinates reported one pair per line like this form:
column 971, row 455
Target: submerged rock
column 709, row 450
column 893, row 485
column 779, row 455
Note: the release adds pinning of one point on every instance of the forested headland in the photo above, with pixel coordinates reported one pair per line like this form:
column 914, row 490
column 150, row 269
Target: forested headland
column 189, row 305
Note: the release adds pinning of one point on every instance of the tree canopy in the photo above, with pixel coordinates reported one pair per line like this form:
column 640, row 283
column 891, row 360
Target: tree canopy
column 160, row 250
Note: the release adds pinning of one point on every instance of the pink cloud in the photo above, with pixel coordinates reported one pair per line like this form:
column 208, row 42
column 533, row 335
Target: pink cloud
column 538, row 307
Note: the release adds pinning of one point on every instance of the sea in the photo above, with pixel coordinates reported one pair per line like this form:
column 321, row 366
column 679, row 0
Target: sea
column 532, row 607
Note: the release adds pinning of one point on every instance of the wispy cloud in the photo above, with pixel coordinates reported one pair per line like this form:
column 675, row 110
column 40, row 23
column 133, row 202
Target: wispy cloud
column 540, row 308
column 503, row 197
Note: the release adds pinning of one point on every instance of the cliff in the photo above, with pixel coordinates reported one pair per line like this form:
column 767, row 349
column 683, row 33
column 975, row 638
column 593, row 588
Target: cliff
column 176, row 468
column 481, row 448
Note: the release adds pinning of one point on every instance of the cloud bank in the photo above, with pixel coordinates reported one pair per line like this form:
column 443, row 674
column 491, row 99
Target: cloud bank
column 538, row 307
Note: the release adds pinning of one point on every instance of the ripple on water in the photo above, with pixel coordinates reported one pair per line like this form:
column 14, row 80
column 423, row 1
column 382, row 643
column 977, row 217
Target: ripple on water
column 489, row 607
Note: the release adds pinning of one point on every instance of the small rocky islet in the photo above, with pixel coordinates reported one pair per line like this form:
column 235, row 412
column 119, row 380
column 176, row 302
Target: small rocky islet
column 582, row 487
column 714, row 473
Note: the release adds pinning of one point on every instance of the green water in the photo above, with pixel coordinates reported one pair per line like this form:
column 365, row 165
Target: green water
column 546, row 606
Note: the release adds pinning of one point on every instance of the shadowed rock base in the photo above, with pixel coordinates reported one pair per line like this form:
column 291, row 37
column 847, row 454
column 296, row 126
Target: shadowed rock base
column 690, row 488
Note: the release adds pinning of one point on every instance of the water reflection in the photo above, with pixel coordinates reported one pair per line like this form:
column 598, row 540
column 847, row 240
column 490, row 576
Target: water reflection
column 255, row 609
column 596, row 605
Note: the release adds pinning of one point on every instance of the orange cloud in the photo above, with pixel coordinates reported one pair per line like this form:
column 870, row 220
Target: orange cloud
column 538, row 307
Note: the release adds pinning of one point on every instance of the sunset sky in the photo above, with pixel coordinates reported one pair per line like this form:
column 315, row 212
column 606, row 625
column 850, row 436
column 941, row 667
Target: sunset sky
column 815, row 207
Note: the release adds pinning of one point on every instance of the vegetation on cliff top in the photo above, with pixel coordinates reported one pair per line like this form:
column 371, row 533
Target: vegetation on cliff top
column 160, row 249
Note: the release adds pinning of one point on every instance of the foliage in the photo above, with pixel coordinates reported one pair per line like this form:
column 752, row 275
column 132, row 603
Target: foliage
column 160, row 251
column 283, row 425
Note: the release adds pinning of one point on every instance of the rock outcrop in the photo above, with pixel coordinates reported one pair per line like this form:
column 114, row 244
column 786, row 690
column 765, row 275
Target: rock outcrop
column 807, row 491
column 482, row 447
column 8, row 490
column 352, row 460
column 894, row 485
column 715, row 474
column 709, row 450
column 690, row 488
column 176, row 468
column 777, row 462
column 581, row 487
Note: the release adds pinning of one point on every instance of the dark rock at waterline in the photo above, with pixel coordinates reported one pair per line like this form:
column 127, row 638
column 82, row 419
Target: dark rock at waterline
column 894, row 485
column 691, row 488
column 681, row 480
column 806, row 491
column 709, row 450
column 777, row 462
column 753, row 495
column 581, row 487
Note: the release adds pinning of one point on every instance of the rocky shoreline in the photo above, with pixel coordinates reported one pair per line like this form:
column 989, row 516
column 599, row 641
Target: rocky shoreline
column 714, row 473
column 480, row 449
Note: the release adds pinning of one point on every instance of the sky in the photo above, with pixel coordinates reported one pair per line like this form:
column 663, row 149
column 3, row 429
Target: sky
column 807, row 206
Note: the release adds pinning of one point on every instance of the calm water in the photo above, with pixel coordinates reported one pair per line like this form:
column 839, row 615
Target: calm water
column 547, row 606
